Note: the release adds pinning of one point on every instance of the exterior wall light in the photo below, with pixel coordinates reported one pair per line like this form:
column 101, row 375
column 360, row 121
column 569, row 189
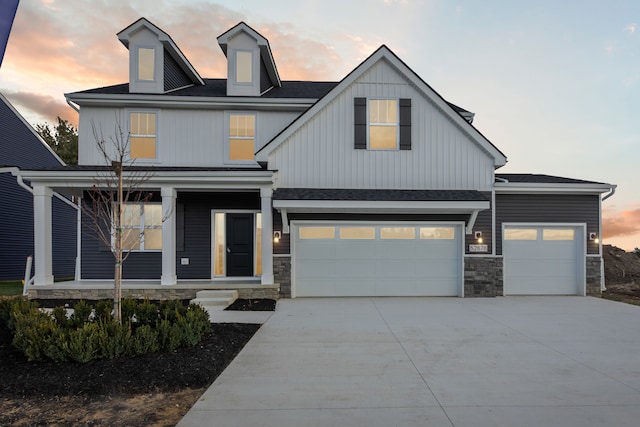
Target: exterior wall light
column 276, row 236
column 478, row 236
column 594, row 237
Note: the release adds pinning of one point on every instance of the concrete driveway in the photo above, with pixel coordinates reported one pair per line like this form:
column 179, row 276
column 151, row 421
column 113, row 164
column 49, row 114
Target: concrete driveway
column 515, row 361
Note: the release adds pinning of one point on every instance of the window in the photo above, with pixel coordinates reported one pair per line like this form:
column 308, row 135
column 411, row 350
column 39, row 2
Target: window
column 317, row 232
column 142, row 128
column 142, row 227
column 146, row 63
column 242, row 130
column 437, row 233
column 357, row 233
column 404, row 233
column 383, row 124
column 521, row 234
column 244, row 67
column 558, row 234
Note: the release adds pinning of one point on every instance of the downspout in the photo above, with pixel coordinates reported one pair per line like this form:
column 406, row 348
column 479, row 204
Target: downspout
column 611, row 193
column 603, row 285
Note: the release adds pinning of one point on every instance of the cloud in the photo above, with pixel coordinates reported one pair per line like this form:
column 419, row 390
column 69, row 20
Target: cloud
column 631, row 28
column 621, row 223
column 45, row 106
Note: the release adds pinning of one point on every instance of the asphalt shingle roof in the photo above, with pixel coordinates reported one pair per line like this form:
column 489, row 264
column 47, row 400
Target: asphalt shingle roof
column 542, row 179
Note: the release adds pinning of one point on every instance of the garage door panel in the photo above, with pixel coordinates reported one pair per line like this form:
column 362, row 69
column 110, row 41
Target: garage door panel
column 542, row 266
column 350, row 266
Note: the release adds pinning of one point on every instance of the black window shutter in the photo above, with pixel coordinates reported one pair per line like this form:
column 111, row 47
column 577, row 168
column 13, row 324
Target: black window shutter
column 179, row 227
column 360, row 123
column 405, row 123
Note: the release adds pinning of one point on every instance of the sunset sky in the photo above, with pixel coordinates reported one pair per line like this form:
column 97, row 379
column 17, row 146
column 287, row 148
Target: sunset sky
column 554, row 84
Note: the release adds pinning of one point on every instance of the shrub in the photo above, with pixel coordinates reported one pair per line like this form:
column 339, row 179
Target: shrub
column 84, row 337
column 128, row 308
column 146, row 313
column 103, row 310
column 145, row 340
column 81, row 314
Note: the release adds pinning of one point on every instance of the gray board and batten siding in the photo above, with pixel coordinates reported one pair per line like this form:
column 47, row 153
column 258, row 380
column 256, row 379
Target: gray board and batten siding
column 542, row 208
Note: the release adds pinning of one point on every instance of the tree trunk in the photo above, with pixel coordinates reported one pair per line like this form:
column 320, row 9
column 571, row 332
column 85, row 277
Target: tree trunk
column 117, row 297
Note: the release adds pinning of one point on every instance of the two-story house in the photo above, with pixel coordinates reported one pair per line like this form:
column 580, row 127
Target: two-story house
column 371, row 186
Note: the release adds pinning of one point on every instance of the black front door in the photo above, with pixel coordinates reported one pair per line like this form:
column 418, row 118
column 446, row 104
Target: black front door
column 239, row 244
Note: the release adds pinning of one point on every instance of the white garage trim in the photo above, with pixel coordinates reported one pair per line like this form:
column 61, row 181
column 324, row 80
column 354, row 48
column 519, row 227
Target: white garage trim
column 458, row 226
column 580, row 255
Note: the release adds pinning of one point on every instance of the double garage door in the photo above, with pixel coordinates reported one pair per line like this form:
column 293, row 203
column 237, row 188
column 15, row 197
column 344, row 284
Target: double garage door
column 377, row 259
column 543, row 260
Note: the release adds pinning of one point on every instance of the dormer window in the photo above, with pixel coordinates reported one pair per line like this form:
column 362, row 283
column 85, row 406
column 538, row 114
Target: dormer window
column 244, row 67
column 146, row 64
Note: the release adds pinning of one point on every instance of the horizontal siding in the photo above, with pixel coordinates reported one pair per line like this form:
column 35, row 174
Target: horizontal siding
column 185, row 137
column 18, row 144
column 537, row 208
column 174, row 77
column 321, row 155
column 16, row 232
column 64, row 223
column 197, row 227
column 483, row 223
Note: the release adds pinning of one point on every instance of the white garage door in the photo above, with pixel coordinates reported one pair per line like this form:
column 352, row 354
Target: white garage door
column 376, row 259
column 541, row 260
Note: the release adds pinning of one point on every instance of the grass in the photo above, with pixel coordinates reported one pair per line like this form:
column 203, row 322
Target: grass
column 10, row 288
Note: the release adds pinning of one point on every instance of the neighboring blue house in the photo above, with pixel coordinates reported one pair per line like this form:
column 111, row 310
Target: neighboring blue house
column 21, row 147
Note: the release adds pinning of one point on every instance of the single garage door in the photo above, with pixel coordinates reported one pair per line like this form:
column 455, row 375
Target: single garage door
column 378, row 259
column 543, row 260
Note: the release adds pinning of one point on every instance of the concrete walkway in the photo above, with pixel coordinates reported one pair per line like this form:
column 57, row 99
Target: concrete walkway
column 528, row 361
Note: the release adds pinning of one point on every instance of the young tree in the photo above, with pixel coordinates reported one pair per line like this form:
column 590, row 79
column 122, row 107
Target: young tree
column 110, row 205
column 62, row 138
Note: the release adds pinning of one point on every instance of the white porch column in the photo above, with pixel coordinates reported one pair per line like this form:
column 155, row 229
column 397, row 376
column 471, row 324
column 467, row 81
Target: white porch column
column 42, row 235
column 267, row 236
column 169, row 276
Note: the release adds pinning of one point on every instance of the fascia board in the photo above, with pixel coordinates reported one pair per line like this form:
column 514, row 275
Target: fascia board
column 557, row 188
column 390, row 206
column 179, row 179
column 125, row 100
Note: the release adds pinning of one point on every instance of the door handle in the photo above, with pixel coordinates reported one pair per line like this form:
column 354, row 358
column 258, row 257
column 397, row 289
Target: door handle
column 228, row 250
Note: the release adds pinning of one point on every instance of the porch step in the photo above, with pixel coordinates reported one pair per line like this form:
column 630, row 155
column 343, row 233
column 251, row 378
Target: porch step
column 215, row 300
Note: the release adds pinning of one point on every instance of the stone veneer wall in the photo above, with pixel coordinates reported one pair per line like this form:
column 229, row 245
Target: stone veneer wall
column 594, row 276
column 483, row 277
column 282, row 274
column 159, row 293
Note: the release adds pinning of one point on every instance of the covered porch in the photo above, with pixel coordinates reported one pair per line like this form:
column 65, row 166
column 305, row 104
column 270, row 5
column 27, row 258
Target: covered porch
column 166, row 275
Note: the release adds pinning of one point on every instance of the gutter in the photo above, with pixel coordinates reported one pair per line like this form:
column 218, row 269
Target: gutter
column 75, row 107
column 612, row 191
column 16, row 172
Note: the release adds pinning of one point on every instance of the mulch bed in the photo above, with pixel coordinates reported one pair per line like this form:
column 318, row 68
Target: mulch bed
column 253, row 305
column 152, row 390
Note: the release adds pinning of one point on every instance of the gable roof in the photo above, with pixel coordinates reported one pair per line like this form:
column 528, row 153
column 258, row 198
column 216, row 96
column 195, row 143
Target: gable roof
column 384, row 53
column 263, row 44
column 169, row 45
column 20, row 144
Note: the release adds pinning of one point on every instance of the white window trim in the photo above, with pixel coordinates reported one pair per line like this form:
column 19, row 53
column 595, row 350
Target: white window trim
column 227, row 137
column 128, row 113
column 213, row 243
column 137, row 64
column 397, row 124
column 141, row 227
